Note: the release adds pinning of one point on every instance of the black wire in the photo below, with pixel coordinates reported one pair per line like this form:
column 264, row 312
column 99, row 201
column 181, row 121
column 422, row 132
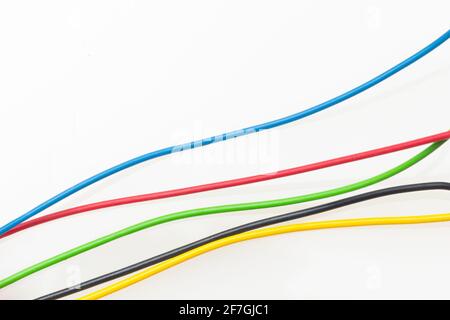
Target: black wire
column 247, row 227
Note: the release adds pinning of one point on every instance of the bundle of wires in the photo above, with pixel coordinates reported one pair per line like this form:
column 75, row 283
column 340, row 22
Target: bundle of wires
column 243, row 232
column 214, row 210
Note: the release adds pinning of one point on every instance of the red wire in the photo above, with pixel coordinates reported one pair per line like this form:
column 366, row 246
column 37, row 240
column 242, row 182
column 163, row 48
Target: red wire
column 228, row 183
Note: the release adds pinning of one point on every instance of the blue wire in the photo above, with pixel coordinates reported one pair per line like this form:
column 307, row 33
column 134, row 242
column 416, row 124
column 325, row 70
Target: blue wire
column 226, row 136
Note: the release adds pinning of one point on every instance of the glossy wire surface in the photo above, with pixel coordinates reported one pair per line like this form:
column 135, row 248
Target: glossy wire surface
column 229, row 183
column 216, row 209
column 244, row 228
column 259, row 234
column 203, row 142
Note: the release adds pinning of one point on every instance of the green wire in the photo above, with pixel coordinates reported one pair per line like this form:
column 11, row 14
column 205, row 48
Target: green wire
column 218, row 209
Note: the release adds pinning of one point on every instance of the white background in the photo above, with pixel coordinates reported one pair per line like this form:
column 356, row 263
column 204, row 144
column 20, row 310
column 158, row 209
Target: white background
column 85, row 85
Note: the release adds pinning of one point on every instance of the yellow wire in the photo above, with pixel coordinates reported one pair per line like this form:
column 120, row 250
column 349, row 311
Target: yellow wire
column 259, row 234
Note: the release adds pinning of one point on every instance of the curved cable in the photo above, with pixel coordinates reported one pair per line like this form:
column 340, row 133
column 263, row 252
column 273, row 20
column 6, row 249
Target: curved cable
column 259, row 234
column 244, row 228
column 228, row 183
column 213, row 210
column 234, row 134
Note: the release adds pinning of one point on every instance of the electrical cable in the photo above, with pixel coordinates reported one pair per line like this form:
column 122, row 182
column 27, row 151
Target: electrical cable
column 245, row 228
column 259, row 234
column 213, row 210
column 228, row 183
column 234, row 134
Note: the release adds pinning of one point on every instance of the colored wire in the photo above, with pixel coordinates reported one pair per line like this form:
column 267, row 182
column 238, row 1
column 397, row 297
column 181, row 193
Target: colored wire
column 259, row 234
column 229, row 183
column 234, row 134
column 213, row 210
column 244, row 228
